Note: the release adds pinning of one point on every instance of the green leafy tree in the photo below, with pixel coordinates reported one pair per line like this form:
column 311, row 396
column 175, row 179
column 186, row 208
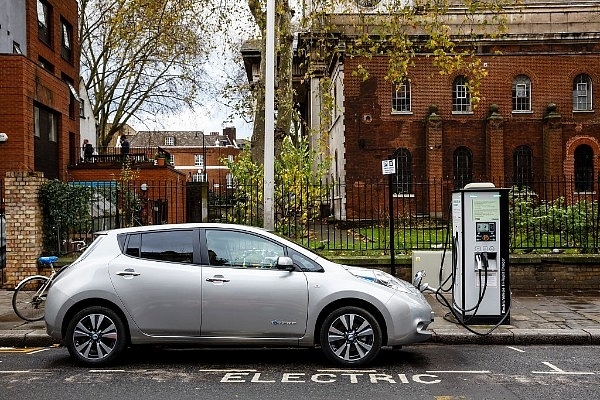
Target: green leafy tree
column 297, row 197
column 144, row 58
column 65, row 208
column 447, row 31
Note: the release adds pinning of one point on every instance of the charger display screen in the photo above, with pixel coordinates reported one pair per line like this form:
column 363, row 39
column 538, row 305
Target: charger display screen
column 485, row 231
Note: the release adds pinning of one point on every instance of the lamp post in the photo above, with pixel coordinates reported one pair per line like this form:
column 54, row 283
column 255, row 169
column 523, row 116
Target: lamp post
column 269, row 151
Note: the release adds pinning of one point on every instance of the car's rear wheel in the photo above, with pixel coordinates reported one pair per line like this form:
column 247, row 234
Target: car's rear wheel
column 95, row 336
column 350, row 336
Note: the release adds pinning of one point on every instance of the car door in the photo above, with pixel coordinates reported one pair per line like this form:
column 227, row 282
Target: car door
column 159, row 284
column 244, row 295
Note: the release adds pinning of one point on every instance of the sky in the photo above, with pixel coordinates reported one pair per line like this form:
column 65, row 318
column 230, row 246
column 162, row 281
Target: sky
column 200, row 119
column 212, row 116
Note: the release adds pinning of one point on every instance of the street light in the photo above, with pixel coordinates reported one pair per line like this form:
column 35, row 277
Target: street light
column 269, row 151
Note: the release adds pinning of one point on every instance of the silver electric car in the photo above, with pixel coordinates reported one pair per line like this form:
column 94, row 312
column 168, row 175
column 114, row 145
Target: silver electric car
column 226, row 285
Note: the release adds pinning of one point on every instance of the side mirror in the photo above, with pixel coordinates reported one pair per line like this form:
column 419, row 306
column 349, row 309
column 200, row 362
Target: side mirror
column 285, row 263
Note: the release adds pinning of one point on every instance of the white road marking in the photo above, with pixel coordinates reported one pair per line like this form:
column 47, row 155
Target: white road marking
column 459, row 372
column 515, row 349
column 558, row 371
column 25, row 371
column 226, row 370
column 108, row 371
column 350, row 371
column 36, row 351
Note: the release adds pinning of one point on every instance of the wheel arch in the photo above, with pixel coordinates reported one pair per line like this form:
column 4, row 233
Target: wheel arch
column 354, row 303
column 91, row 303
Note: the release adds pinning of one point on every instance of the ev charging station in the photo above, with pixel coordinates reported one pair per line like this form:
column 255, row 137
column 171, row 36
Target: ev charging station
column 481, row 291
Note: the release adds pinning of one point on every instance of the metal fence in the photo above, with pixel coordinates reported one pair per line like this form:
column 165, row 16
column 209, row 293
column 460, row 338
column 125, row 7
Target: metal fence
column 545, row 216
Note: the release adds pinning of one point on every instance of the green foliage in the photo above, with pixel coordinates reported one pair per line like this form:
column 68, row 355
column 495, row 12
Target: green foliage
column 64, row 206
column 129, row 204
column 295, row 200
column 552, row 223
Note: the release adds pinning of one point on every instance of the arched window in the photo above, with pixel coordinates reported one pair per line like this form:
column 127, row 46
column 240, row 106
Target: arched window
column 582, row 93
column 584, row 168
column 522, row 159
column 403, row 176
column 463, row 167
column 401, row 97
column 461, row 98
column 521, row 94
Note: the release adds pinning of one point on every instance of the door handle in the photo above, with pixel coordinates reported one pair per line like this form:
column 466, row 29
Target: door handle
column 217, row 278
column 128, row 272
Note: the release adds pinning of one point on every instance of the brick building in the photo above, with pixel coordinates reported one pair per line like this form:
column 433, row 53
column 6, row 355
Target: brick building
column 39, row 74
column 198, row 156
column 537, row 119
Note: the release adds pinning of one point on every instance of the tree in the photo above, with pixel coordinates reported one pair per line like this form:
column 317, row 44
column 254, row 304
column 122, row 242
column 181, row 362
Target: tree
column 449, row 31
column 143, row 58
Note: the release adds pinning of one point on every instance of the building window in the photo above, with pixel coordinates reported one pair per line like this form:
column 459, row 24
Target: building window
column 170, row 141
column 199, row 177
column 74, row 99
column 199, row 160
column 229, row 180
column 403, row 176
column 522, row 166
column 43, row 15
column 521, row 94
column 463, row 167
column 584, row 168
column 81, row 108
column 172, row 159
column 582, row 93
column 230, row 158
column 461, row 99
column 66, row 50
column 401, row 98
column 45, row 124
column 47, row 65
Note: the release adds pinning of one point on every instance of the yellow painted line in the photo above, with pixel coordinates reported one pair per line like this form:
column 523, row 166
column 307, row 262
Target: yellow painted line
column 19, row 350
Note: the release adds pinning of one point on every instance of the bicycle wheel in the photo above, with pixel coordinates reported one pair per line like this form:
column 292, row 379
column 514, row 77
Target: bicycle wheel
column 29, row 299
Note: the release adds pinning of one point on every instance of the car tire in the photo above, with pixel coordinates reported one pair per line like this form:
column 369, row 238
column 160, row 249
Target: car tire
column 350, row 336
column 96, row 336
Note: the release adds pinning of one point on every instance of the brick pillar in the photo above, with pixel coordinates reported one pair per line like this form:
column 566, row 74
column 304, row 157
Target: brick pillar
column 23, row 225
column 553, row 152
column 494, row 137
column 553, row 148
column 434, row 160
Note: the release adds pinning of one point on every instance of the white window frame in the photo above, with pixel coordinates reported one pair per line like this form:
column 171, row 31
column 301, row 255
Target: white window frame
column 169, row 141
column 199, row 160
column 402, row 99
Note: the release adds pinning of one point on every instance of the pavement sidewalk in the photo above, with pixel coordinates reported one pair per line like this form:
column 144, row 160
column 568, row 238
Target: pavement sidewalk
column 534, row 319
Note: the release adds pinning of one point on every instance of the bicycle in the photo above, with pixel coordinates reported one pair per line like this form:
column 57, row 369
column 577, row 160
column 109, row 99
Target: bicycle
column 29, row 298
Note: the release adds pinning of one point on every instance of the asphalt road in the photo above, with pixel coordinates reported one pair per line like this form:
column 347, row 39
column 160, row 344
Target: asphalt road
column 425, row 371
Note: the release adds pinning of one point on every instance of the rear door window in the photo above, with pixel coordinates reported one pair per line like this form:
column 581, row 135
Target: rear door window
column 174, row 246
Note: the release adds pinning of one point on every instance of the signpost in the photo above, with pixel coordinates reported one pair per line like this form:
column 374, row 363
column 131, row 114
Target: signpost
column 388, row 167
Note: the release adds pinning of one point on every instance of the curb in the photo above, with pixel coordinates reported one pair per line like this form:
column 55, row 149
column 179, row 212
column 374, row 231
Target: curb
column 503, row 336
column 25, row 338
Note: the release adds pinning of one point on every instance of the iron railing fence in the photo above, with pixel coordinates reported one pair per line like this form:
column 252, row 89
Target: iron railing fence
column 545, row 215
column 550, row 215
column 110, row 205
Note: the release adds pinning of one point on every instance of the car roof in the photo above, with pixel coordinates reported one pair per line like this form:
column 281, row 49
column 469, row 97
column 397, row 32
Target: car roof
column 191, row 225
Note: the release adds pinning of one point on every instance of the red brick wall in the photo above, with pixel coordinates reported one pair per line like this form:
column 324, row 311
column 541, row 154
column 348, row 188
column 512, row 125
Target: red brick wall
column 369, row 119
column 164, row 183
column 24, row 83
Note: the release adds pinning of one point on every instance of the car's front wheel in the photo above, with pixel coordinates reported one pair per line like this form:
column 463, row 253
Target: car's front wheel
column 95, row 336
column 350, row 336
